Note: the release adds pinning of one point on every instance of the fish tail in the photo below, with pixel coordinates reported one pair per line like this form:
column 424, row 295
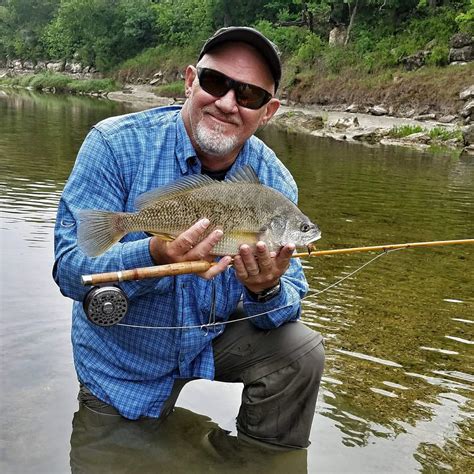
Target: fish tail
column 99, row 230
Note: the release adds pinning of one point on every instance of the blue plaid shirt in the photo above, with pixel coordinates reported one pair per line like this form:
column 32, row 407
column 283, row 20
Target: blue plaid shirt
column 133, row 369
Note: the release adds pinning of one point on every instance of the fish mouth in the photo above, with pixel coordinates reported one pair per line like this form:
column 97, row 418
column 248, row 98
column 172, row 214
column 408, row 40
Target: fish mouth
column 313, row 238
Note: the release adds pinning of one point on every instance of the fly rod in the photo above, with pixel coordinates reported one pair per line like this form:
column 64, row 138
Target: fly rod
column 200, row 266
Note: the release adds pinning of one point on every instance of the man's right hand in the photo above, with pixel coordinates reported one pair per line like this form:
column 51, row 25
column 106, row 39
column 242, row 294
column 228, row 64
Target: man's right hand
column 188, row 246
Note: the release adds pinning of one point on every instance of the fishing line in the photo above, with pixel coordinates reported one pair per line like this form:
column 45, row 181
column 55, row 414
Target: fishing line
column 214, row 324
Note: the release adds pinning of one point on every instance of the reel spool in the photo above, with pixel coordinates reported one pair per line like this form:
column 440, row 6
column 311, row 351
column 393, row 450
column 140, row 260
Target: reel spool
column 106, row 305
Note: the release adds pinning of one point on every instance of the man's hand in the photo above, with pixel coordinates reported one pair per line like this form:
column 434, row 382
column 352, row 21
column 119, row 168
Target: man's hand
column 261, row 271
column 188, row 246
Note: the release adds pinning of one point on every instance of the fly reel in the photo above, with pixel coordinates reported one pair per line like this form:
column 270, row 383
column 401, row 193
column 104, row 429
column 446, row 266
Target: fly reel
column 105, row 305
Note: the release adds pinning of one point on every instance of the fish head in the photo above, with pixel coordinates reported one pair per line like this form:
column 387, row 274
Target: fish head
column 285, row 228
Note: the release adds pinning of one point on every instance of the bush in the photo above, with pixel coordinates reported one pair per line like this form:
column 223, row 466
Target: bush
column 465, row 21
column 309, row 51
column 288, row 38
column 175, row 89
column 93, row 85
column 61, row 83
column 438, row 56
column 170, row 61
column 50, row 80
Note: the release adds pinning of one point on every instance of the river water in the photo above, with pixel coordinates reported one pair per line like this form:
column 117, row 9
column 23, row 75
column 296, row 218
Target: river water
column 397, row 394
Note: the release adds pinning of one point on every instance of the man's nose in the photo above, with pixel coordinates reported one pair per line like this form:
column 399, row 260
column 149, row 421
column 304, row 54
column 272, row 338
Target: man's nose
column 227, row 102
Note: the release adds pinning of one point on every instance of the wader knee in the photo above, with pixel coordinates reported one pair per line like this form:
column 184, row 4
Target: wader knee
column 278, row 407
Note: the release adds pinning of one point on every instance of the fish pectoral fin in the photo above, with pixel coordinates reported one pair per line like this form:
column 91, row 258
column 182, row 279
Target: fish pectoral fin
column 163, row 236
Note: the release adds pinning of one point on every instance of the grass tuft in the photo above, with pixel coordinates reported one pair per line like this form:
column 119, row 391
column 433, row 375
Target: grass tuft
column 61, row 83
column 405, row 131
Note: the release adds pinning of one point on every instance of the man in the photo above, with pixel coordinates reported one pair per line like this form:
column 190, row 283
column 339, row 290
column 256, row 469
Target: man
column 138, row 370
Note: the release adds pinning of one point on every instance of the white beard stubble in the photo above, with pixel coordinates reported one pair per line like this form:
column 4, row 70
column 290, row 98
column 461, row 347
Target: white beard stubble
column 213, row 141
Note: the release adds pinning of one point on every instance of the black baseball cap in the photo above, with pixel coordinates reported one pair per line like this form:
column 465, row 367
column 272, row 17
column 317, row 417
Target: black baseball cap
column 254, row 38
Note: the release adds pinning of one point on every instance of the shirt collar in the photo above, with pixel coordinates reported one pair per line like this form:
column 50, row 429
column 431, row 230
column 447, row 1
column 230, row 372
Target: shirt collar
column 184, row 147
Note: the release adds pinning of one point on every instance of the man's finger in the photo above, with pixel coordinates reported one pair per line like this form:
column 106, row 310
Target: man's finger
column 264, row 259
column 219, row 267
column 283, row 258
column 190, row 237
column 203, row 249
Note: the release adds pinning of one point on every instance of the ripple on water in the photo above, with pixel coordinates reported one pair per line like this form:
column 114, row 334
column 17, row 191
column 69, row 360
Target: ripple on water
column 383, row 392
column 369, row 358
column 467, row 321
column 448, row 384
column 395, row 385
column 459, row 339
column 441, row 351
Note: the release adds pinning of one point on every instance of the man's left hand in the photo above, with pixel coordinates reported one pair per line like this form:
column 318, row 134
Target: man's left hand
column 263, row 270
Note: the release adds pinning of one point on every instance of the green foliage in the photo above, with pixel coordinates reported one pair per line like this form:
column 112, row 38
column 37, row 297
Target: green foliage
column 174, row 89
column 50, row 80
column 405, row 130
column 465, row 20
column 337, row 58
column 444, row 134
column 107, row 33
column 287, row 38
column 436, row 133
column 184, row 22
column 21, row 26
column 310, row 50
column 93, row 85
column 168, row 60
column 438, row 56
column 60, row 83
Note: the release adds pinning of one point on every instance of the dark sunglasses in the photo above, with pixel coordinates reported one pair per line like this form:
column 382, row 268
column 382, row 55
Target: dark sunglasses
column 218, row 84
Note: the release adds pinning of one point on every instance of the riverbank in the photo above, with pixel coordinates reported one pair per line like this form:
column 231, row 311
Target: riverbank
column 335, row 122
column 321, row 121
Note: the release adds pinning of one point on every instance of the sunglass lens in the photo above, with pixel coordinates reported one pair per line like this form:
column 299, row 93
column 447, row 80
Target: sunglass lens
column 250, row 96
column 213, row 82
column 247, row 95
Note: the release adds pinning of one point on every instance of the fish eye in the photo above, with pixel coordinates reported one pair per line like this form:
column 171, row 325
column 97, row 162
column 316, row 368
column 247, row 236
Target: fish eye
column 305, row 227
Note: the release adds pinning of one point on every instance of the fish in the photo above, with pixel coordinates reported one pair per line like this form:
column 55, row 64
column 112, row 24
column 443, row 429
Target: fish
column 246, row 210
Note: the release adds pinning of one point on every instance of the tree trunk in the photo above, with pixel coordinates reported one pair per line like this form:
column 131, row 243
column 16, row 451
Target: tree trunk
column 351, row 22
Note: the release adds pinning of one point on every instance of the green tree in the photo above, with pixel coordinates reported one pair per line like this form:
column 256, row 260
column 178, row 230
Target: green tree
column 101, row 33
column 21, row 26
column 184, row 22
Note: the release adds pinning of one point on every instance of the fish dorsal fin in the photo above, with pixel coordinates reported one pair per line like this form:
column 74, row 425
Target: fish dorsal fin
column 173, row 189
column 246, row 174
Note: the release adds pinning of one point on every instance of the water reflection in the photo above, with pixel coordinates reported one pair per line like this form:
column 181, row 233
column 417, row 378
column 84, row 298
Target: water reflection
column 390, row 336
column 101, row 443
column 397, row 393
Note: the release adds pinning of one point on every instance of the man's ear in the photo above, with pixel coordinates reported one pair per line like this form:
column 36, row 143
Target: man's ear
column 270, row 111
column 189, row 77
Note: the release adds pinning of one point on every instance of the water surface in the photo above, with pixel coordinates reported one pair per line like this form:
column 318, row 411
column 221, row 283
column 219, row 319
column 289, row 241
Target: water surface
column 397, row 393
